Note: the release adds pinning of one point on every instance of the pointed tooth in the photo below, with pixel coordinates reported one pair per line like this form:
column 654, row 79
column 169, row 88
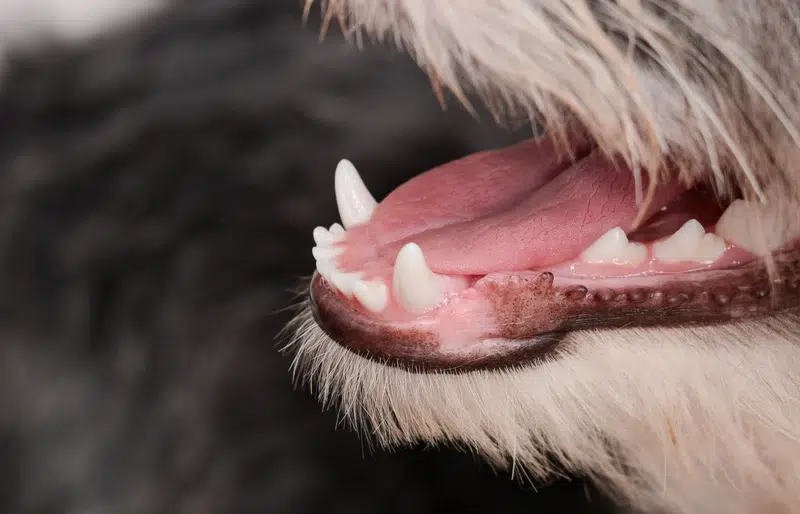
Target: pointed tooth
column 683, row 245
column 757, row 228
column 354, row 200
column 337, row 232
column 614, row 247
column 325, row 253
column 414, row 285
column 371, row 294
column 322, row 237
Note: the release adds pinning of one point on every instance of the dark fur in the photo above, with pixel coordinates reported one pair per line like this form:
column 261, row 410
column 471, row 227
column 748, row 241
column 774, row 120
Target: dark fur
column 158, row 189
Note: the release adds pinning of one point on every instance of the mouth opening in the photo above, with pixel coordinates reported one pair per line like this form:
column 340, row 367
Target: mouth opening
column 489, row 259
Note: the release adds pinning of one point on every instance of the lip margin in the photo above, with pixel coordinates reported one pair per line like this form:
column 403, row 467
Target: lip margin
column 419, row 350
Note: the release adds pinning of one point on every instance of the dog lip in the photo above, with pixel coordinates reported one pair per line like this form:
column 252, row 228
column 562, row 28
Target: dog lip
column 531, row 317
column 411, row 349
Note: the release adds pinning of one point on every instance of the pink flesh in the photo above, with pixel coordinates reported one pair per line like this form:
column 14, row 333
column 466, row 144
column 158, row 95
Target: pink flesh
column 489, row 215
column 507, row 210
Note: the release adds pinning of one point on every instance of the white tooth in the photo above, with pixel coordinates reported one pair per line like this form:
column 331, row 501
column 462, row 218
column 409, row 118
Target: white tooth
column 711, row 248
column 325, row 253
column 613, row 247
column 322, row 237
column 354, row 200
column 337, row 232
column 371, row 294
column 756, row 227
column 690, row 243
column 345, row 282
column 325, row 269
column 414, row 285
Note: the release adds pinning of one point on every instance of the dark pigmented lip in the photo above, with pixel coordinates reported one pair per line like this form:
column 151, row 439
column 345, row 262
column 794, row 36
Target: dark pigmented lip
column 533, row 315
column 409, row 349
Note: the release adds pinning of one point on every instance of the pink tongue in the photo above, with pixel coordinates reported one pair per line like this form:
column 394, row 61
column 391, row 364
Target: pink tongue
column 519, row 208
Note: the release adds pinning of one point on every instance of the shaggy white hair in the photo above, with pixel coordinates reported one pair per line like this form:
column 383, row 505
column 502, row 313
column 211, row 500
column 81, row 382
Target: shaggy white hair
column 711, row 83
column 692, row 420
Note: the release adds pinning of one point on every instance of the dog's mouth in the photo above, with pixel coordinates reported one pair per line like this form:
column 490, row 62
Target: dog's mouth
column 487, row 260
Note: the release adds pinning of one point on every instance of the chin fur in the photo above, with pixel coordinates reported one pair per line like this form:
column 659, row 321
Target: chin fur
column 682, row 420
column 696, row 419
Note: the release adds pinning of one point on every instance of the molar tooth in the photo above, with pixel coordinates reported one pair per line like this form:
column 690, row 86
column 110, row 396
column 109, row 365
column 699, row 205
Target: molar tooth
column 613, row 246
column 757, row 228
column 322, row 237
column 414, row 285
column 689, row 243
column 354, row 200
column 371, row 294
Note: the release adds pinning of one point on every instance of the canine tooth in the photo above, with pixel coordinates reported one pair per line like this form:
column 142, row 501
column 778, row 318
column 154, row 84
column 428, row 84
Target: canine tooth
column 324, row 253
column 689, row 243
column 613, row 246
column 354, row 200
column 337, row 232
column 414, row 285
column 322, row 237
column 371, row 294
column 756, row 228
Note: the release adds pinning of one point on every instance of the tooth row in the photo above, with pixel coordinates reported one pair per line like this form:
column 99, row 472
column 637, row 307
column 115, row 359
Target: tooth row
column 371, row 294
column 416, row 288
column 690, row 243
column 414, row 285
column 758, row 228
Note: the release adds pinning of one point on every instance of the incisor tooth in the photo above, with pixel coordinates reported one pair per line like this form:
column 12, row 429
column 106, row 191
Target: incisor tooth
column 690, row 243
column 414, row 285
column 324, row 253
column 614, row 247
column 345, row 282
column 322, row 237
column 757, row 228
column 337, row 232
column 354, row 200
column 371, row 294
column 325, row 269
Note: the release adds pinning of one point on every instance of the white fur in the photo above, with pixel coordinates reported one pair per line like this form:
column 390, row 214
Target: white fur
column 712, row 83
column 687, row 420
column 690, row 420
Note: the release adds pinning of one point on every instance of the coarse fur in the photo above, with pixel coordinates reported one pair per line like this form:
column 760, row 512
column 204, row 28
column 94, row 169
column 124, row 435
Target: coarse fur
column 680, row 420
column 158, row 187
column 691, row 420
column 711, row 84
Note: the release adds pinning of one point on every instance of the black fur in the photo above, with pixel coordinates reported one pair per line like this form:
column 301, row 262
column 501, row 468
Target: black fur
column 158, row 189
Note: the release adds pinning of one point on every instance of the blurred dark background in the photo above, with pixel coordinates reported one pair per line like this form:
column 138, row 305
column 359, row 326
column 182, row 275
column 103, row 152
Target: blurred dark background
column 158, row 189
